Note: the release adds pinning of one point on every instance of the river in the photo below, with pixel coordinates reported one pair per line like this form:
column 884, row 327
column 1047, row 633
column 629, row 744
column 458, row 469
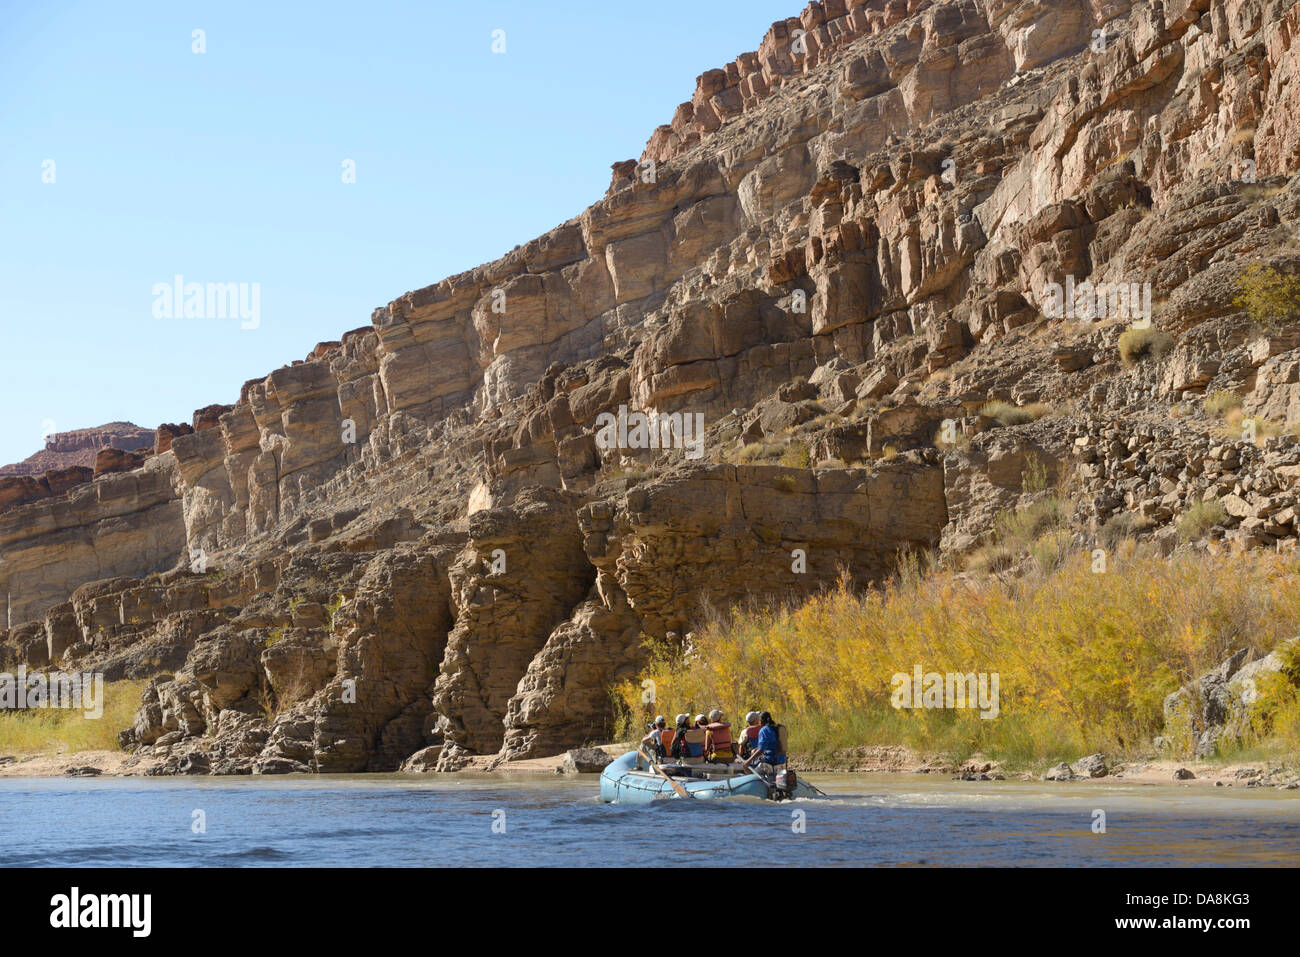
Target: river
column 495, row 820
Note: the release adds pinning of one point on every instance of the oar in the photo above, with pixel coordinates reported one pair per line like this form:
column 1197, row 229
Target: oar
column 681, row 791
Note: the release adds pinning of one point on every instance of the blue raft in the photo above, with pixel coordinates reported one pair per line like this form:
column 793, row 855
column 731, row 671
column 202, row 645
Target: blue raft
column 628, row 781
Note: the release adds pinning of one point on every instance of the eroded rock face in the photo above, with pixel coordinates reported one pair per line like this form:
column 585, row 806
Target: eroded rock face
column 521, row 574
column 125, row 523
column 391, row 638
column 838, row 253
column 731, row 532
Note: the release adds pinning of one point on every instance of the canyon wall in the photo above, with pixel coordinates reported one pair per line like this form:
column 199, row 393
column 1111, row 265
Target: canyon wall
column 411, row 547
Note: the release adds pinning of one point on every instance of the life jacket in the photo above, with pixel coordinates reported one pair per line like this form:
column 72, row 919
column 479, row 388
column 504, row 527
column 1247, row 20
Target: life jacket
column 679, row 739
column 782, row 744
column 748, row 740
column 718, row 743
column 666, row 736
column 693, row 743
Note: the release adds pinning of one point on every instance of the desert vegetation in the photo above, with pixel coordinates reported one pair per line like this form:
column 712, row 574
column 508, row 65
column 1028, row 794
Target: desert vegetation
column 1085, row 659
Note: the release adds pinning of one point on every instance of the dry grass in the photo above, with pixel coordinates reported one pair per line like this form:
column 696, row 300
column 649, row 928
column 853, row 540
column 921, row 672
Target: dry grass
column 960, row 440
column 1238, row 427
column 760, row 452
column 1199, row 519
column 1136, row 345
column 1122, row 526
column 1004, row 413
column 797, row 456
column 1084, row 660
column 1222, row 402
column 61, row 729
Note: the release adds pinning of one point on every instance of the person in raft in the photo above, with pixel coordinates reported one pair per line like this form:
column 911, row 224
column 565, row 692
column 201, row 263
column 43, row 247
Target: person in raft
column 717, row 740
column 770, row 745
column 679, row 740
column 660, row 738
column 693, row 739
column 749, row 737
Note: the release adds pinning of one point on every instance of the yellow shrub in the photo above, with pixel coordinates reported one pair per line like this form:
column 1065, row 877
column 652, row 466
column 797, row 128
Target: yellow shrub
column 1268, row 297
column 62, row 729
column 1084, row 660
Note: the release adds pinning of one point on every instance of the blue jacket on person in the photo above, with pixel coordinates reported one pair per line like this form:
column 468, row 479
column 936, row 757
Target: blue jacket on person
column 768, row 743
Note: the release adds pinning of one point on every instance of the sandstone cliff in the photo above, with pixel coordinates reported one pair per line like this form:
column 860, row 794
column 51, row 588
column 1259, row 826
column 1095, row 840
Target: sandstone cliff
column 411, row 546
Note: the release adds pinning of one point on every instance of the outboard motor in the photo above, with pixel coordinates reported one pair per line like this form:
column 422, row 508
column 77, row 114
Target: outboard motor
column 784, row 785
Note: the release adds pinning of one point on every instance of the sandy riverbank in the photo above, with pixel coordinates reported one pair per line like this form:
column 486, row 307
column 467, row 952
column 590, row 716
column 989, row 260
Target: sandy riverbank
column 883, row 759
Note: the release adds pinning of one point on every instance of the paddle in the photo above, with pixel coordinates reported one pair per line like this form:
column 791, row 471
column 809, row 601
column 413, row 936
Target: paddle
column 681, row 791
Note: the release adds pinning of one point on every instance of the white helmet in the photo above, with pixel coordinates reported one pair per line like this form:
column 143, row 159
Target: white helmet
column 715, row 715
column 682, row 718
column 751, row 717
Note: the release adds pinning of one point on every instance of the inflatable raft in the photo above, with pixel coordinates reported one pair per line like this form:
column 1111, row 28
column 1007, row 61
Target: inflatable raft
column 628, row 780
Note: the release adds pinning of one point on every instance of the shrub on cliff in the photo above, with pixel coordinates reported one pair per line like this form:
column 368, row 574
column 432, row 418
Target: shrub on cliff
column 759, row 451
column 1269, row 297
column 1199, row 519
column 1222, row 402
column 1004, row 413
column 1137, row 344
column 797, row 456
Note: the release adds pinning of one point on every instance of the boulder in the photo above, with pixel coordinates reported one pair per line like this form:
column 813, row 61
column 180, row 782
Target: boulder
column 584, row 761
column 1093, row 766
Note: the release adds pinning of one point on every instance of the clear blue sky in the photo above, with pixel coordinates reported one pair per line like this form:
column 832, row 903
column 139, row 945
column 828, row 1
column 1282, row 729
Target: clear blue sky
column 226, row 166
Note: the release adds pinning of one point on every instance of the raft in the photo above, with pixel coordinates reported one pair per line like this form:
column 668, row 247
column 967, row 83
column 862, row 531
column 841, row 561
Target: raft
column 627, row 781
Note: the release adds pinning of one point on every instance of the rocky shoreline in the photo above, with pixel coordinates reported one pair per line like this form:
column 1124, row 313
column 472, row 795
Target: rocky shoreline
column 880, row 759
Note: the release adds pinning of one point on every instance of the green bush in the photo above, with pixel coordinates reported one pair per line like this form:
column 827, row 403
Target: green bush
column 1198, row 519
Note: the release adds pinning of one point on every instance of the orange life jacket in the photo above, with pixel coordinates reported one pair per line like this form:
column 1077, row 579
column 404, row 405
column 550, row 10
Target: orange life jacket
column 719, row 741
column 666, row 739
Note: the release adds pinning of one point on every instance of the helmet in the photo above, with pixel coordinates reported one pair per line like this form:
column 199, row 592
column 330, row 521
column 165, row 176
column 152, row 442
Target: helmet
column 683, row 718
column 715, row 715
column 700, row 719
column 659, row 719
column 751, row 717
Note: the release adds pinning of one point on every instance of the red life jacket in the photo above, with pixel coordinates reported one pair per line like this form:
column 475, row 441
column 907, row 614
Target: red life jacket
column 751, row 732
column 719, row 741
